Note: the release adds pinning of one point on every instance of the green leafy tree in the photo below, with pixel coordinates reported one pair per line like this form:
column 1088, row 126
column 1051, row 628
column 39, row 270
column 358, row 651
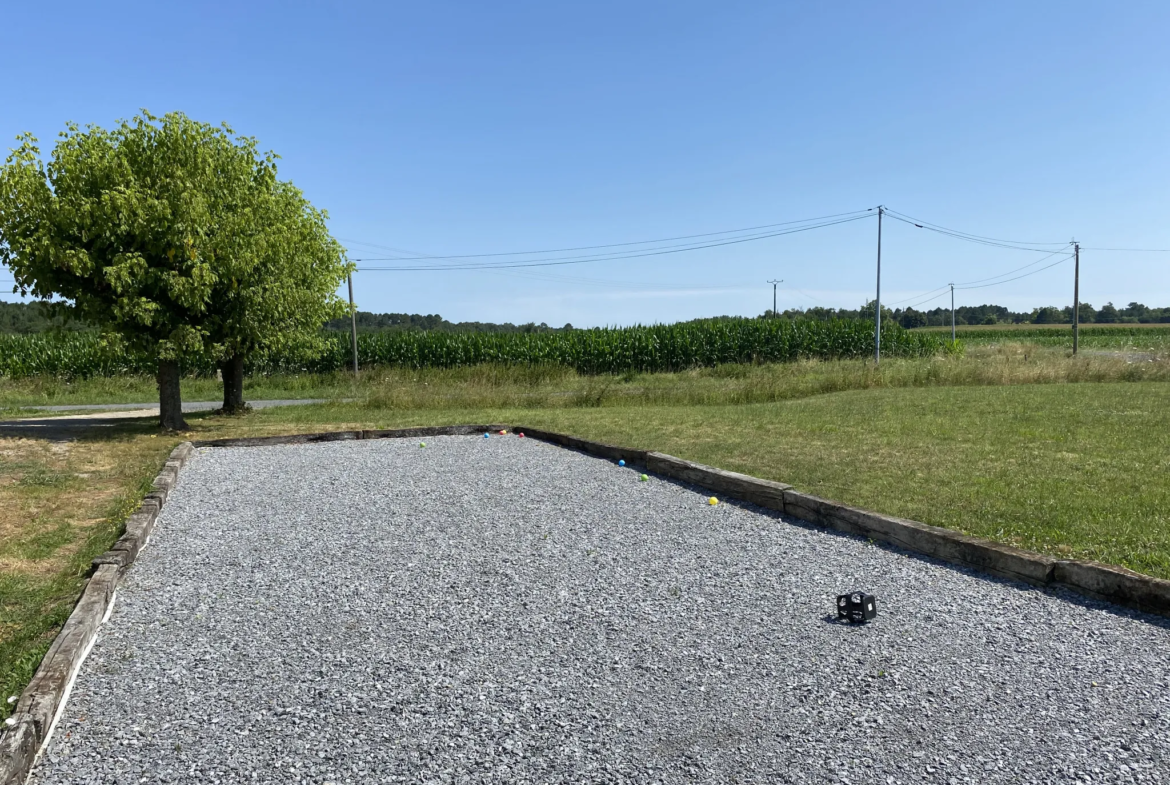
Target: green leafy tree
column 1047, row 315
column 122, row 227
column 277, row 280
column 1108, row 314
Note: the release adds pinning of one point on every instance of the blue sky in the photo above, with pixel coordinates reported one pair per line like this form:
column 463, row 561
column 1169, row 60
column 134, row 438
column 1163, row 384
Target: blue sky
column 457, row 128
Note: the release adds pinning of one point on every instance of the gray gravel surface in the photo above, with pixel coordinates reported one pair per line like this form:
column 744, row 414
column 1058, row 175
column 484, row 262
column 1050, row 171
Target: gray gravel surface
column 504, row 610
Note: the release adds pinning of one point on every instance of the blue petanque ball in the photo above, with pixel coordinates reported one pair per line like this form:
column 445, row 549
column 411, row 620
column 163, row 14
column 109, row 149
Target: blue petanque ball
column 621, row 463
column 486, row 436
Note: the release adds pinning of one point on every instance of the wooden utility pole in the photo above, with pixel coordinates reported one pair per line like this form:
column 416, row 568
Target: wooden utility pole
column 774, row 295
column 877, row 322
column 952, row 312
column 353, row 325
column 1076, row 296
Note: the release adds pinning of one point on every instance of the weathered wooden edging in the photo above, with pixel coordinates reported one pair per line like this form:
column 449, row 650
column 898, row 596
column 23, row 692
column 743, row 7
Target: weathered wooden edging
column 584, row 445
column 344, row 436
column 1091, row 579
column 40, row 705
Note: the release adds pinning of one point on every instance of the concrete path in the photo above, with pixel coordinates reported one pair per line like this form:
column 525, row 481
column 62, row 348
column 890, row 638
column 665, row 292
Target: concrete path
column 106, row 416
column 188, row 406
column 505, row 611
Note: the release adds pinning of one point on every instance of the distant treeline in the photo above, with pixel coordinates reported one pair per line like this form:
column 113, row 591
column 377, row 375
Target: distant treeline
column 28, row 318
column 381, row 322
column 1134, row 313
column 33, row 318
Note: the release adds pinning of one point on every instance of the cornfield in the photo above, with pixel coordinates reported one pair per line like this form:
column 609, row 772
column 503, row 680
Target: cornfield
column 672, row 347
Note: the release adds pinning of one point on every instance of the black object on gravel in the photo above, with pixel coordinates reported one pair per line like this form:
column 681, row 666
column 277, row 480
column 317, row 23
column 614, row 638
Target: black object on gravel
column 856, row 607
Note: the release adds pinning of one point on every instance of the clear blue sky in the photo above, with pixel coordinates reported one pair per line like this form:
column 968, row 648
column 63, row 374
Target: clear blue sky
column 444, row 128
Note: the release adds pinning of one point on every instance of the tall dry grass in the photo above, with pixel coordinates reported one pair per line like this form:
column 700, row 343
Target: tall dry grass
column 492, row 386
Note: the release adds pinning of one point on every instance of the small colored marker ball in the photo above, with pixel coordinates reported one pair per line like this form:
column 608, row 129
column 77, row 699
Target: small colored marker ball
column 486, row 435
column 644, row 478
column 621, row 463
column 422, row 444
column 712, row 501
column 503, row 433
column 521, row 435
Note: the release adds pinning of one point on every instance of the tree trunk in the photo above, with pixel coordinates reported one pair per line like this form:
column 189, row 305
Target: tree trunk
column 170, row 399
column 233, row 385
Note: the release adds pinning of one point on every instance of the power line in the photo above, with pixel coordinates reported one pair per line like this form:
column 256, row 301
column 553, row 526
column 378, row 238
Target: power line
column 958, row 232
column 609, row 284
column 916, row 296
column 1009, row 272
column 1018, row 277
column 943, row 293
column 617, row 245
column 972, row 284
column 554, row 261
column 971, row 238
column 568, row 278
column 1130, row 250
column 611, row 254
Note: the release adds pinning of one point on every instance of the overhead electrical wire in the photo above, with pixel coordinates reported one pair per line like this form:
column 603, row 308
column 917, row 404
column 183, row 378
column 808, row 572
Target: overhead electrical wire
column 928, row 296
column 932, row 298
column 571, row 279
column 1128, row 250
column 857, row 213
column 611, row 284
column 971, row 238
column 611, row 255
column 921, row 224
column 1018, row 277
column 965, row 284
column 920, row 294
column 556, row 261
column 943, row 290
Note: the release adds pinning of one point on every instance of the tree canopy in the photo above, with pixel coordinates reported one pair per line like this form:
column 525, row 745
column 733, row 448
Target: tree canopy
column 173, row 234
column 276, row 285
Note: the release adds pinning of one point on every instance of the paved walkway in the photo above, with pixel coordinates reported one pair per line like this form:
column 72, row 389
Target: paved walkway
column 188, row 406
column 501, row 610
column 109, row 415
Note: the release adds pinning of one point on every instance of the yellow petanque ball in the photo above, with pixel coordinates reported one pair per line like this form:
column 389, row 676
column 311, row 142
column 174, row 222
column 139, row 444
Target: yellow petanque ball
column 712, row 501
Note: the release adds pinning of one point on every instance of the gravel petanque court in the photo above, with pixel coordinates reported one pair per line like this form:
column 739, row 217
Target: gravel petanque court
column 505, row 610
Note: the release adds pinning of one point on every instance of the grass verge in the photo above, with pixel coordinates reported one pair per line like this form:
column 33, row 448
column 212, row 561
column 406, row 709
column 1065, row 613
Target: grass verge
column 61, row 504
